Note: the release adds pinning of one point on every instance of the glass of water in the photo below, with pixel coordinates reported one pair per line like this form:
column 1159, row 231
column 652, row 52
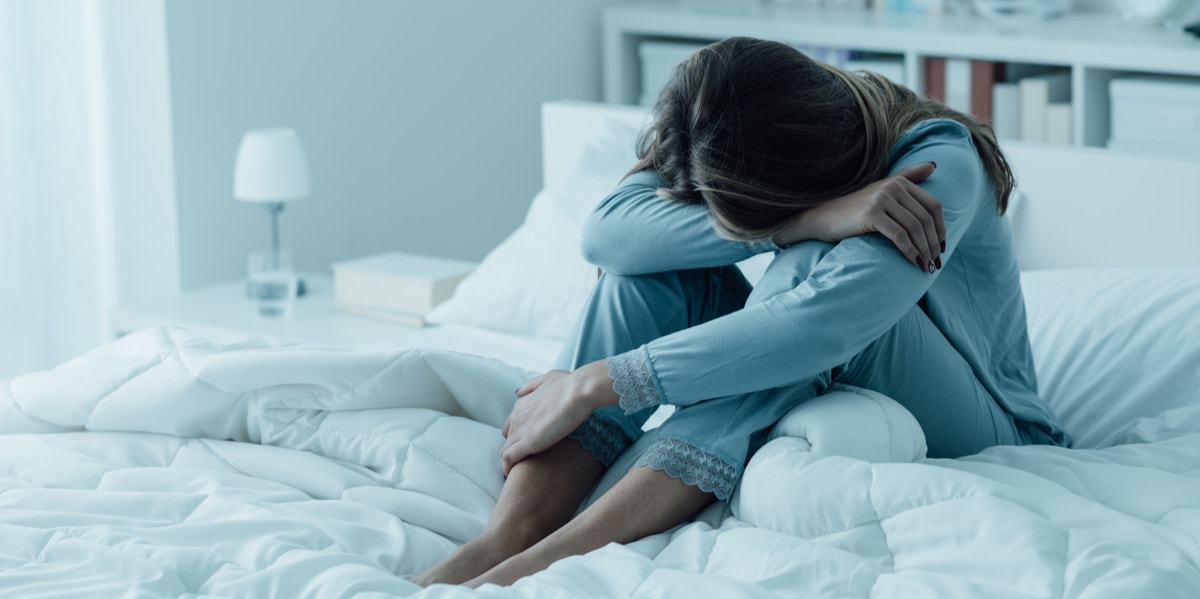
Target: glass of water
column 271, row 282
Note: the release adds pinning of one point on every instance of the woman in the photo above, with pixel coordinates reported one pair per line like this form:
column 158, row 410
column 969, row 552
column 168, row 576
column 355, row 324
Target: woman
column 753, row 148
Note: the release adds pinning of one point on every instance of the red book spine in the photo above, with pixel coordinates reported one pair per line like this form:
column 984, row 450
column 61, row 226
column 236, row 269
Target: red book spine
column 935, row 78
column 984, row 74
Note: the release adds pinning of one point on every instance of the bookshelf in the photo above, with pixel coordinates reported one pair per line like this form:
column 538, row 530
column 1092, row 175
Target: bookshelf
column 1093, row 47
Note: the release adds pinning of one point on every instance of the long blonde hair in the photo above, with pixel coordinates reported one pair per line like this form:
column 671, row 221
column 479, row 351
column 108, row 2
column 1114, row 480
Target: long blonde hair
column 759, row 132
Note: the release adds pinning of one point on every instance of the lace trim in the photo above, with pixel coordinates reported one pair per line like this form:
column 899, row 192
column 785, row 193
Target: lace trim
column 630, row 373
column 603, row 438
column 762, row 246
column 693, row 466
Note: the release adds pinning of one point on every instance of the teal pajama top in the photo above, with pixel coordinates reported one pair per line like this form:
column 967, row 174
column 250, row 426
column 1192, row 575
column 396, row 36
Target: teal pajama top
column 857, row 291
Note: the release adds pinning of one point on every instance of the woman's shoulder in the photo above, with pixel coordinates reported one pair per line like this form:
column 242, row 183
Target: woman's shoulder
column 930, row 132
column 646, row 178
column 944, row 141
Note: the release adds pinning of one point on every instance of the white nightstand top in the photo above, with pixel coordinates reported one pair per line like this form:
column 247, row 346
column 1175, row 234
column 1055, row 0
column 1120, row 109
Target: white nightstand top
column 225, row 307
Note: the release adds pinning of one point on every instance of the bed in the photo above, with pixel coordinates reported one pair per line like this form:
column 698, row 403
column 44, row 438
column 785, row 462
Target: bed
column 181, row 463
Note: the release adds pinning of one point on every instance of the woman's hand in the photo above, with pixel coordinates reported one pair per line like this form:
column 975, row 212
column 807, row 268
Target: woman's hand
column 895, row 207
column 552, row 405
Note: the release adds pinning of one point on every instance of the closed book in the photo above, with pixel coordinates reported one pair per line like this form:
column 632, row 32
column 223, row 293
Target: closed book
column 1037, row 92
column 1006, row 110
column 406, row 318
column 1058, row 123
column 935, row 78
column 1156, row 110
column 985, row 74
column 958, row 84
column 397, row 282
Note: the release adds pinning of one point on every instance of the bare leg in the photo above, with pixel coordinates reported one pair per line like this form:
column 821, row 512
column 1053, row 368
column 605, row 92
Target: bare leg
column 644, row 502
column 540, row 495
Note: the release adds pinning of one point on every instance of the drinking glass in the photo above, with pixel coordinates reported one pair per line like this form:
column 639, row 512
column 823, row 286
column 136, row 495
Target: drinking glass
column 271, row 282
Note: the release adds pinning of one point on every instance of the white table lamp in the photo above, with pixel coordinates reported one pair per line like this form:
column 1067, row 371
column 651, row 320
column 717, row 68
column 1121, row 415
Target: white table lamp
column 271, row 169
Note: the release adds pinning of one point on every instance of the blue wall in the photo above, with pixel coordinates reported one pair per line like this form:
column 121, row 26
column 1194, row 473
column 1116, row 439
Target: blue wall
column 420, row 118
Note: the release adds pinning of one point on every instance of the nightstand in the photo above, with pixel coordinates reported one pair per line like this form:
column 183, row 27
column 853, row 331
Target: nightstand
column 224, row 307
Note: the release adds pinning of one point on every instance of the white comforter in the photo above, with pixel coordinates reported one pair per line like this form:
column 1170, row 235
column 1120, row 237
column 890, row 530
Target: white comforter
column 168, row 464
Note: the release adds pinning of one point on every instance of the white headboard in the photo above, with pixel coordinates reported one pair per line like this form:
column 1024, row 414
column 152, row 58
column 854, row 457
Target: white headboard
column 566, row 126
column 1080, row 207
column 1085, row 207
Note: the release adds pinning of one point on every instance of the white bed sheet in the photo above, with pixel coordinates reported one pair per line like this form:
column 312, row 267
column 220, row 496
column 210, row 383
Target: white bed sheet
column 528, row 352
column 172, row 463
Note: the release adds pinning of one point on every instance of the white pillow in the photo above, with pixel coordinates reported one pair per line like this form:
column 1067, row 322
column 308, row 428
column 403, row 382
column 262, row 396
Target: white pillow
column 536, row 281
column 1114, row 345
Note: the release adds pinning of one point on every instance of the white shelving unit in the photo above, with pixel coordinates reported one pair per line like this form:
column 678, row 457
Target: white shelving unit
column 1096, row 47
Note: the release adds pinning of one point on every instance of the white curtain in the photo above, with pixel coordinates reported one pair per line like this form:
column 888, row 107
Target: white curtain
column 53, row 288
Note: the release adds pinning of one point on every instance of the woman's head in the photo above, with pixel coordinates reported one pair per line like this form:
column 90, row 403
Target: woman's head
column 758, row 132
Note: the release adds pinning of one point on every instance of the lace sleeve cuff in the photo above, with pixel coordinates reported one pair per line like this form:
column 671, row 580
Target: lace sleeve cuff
column 633, row 381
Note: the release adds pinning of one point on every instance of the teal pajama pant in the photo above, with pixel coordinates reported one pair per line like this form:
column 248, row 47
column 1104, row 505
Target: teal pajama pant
column 707, row 444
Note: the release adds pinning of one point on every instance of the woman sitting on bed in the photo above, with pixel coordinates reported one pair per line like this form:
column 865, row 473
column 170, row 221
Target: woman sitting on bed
column 755, row 148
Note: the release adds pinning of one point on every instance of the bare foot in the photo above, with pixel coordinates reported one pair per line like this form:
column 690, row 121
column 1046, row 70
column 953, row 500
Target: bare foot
column 466, row 562
column 509, row 571
column 533, row 560
column 644, row 502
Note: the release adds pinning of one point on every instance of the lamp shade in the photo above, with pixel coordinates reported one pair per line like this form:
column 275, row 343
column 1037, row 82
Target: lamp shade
column 271, row 167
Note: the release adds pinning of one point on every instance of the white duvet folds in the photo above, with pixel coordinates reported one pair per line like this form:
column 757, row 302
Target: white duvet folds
column 171, row 464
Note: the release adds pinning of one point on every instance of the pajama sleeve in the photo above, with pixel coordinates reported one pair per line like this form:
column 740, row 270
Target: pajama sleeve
column 633, row 232
column 856, row 292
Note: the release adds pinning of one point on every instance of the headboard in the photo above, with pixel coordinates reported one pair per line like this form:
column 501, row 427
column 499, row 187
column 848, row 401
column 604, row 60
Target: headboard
column 1080, row 207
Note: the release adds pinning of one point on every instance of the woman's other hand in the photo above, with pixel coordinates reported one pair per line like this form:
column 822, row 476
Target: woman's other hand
column 552, row 405
column 895, row 207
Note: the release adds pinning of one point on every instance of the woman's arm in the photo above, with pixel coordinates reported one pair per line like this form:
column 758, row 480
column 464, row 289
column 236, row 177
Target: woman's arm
column 633, row 231
column 859, row 289
column 895, row 207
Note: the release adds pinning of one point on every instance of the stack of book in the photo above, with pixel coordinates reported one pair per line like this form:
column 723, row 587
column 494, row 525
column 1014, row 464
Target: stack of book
column 396, row 286
column 1154, row 113
column 1033, row 107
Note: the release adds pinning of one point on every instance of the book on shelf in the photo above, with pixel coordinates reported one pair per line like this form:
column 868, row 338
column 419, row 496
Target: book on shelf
column 958, row 85
column 1037, row 92
column 396, row 286
column 935, row 78
column 1155, row 113
column 985, row 74
column 1006, row 110
column 1058, row 123
column 964, row 85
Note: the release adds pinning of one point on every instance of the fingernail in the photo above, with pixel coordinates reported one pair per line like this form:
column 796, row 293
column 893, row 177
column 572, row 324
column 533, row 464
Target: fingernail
column 931, row 268
column 933, row 163
column 939, row 262
column 943, row 246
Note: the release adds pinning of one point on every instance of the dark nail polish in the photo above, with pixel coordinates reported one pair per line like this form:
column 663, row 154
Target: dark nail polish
column 939, row 262
column 943, row 246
